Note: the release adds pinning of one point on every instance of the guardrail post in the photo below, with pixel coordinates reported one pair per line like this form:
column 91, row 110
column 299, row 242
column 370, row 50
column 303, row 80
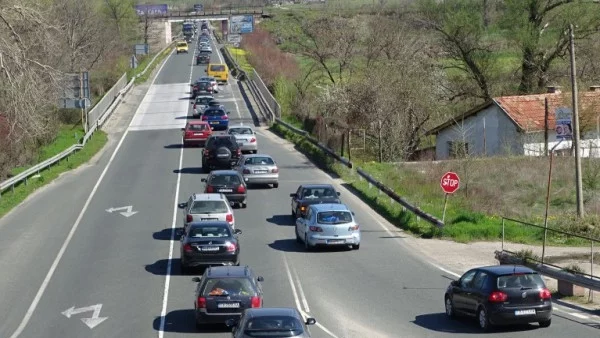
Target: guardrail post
column 502, row 234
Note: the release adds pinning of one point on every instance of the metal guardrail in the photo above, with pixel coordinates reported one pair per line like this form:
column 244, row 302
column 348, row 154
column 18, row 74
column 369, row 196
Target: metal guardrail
column 36, row 169
column 266, row 95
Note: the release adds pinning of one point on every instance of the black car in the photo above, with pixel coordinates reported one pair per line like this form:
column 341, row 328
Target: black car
column 229, row 183
column 203, row 58
column 220, row 151
column 270, row 322
column 500, row 295
column 209, row 243
column 224, row 292
column 201, row 87
column 308, row 194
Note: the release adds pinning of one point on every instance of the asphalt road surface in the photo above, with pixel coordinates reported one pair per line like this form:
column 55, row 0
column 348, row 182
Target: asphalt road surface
column 63, row 250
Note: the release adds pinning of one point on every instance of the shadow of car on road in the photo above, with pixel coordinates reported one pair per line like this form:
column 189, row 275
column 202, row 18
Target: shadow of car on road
column 194, row 170
column 182, row 321
column 165, row 234
column 439, row 322
column 185, row 117
column 284, row 220
column 254, row 186
column 174, row 146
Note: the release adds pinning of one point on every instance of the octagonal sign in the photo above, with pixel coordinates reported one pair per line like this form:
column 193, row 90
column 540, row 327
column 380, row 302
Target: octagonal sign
column 450, row 182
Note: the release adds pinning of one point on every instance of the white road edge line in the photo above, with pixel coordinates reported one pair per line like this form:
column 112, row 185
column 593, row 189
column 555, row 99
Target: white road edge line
column 578, row 315
column 237, row 107
column 63, row 248
column 301, row 291
column 165, row 301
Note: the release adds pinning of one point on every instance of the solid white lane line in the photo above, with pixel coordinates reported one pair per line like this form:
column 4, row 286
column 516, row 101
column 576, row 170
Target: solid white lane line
column 578, row 315
column 300, row 291
column 63, row 248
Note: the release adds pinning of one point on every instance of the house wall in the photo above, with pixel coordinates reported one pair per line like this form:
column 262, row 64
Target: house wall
column 500, row 134
column 588, row 147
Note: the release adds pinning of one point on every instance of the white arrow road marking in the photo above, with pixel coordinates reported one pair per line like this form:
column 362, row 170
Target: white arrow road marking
column 128, row 213
column 91, row 322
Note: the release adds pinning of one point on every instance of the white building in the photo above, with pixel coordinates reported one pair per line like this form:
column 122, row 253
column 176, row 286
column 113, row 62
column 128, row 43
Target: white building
column 515, row 125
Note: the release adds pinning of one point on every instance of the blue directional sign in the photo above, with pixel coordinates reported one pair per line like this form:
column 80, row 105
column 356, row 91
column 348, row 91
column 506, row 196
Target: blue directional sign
column 243, row 24
column 152, row 10
column 198, row 8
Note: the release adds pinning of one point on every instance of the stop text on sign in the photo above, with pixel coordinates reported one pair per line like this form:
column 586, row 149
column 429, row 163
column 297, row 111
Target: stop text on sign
column 450, row 182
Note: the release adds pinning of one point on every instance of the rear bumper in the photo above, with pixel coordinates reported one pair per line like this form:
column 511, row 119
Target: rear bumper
column 194, row 141
column 206, row 260
column 221, row 164
column 236, row 198
column 215, row 318
column 249, row 146
column 220, row 125
column 320, row 240
column 261, row 179
column 506, row 316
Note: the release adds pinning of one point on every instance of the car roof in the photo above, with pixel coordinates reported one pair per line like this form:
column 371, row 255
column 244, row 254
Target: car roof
column 330, row 207
column 240, row 126
column 506, row 269
column 257, row 155
column 311, row 186
column 217, row 64
column 208, row 224
column 273, row 311
column 224, row 172
column 208, row 197
column 209, row 96
column 228, row 271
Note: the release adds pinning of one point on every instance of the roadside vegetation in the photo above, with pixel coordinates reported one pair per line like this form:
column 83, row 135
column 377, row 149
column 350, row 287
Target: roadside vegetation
column 385, row 73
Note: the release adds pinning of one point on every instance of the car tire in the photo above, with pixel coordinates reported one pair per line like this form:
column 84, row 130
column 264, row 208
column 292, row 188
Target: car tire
column 254, row 151
column 483, row 320
column 449, row 306
column 244, row 205
column 355, row 246
column 545, row 323
column 183, row 269
column 276, row 185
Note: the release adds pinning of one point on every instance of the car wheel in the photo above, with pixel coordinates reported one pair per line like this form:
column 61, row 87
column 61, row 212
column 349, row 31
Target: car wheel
column 545, row 323
column 254, row 151
column 244, row 205
column 449, row 307
column 276, row 185
column 355, row 246
column 483, row 320
column 183, row 269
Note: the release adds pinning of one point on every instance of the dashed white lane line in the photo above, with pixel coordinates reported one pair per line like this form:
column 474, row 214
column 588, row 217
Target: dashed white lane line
column 237, row 107
column 301, row 291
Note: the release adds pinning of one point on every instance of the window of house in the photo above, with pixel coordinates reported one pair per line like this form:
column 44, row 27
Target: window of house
column 458, row 149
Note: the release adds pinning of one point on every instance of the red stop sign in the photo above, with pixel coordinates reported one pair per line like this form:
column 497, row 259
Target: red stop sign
column 450, row 182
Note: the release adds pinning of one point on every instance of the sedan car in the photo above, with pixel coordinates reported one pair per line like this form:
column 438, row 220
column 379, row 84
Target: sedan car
column 224, row 292
column 246, row 138
column 202, row 58
column 207, row 207
column 229, row 183
column 270, row 322
column 209, row 243
column 308, row 194
column 196, row 133
column 207, row 49
column 500, row 295
column 328, row 225
column 201, row 103
column 258, row 169
column 213, row 82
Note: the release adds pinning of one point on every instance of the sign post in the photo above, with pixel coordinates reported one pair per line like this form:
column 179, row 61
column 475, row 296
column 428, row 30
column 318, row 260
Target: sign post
column 450, row 182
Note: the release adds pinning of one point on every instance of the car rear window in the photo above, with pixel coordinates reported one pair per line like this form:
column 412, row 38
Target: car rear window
column 273, row 326
column 204, row 100
column 182, row 44
column 197, row 127
column 228, row 286
column 259, row 160
column 225, row 180
column 209, row 231
column 203, row 207
column 334, row 217
column 203, row 84
column 240, row 131
column 221, row 142
column 318, row 192
column 214, row 112
column 517, row 281
column 217, row 68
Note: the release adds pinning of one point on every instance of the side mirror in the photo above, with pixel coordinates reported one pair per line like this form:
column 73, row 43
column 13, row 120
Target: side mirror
column 182, row 129
column 237, row 231
column 182, row 237
column 191, row 102
column 228, row 112
column 299, row 220
column 353, row 214
column 338, row 193
column 311, row 321
column 454, row 283
column 196, row 279
column 182, row 205
column 260, row 279
column 230, row 323
column 292, row 195
column 206, row 70
column 203, row 180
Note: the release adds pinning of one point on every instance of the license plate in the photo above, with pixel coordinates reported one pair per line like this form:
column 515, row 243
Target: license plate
column 336, row 241
column 209, row 219
column 225, row 190
column 209, row 248
column 214, row 122
column 228, row 305
column 524, row 312
column 197, row 134
column 260, row 171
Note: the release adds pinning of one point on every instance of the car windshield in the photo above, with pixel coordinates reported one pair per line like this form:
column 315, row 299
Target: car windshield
column 197, row 127
column 240, row 131
column 217, row 68
column 228, row 286
column 225, row 180
column 209, row 231
column 318, row 193
column 519, row 281
column 264, row 160
column 273, row 326
column 334, row 217
column 214, row 112
column 209, row 207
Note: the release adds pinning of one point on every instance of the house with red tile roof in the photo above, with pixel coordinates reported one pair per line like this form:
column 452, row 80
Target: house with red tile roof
column 519, row 125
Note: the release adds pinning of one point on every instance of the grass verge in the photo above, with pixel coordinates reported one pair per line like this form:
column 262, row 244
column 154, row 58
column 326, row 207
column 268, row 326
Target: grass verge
column 239, row 57
column 462, row 225
column 144, row 63
column 66, row 137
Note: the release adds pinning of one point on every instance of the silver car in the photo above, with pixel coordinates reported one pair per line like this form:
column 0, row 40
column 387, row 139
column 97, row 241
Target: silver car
column 201, row 103
column 258, row 169
column 207, row 207
column 246, row 138
column 270, row 322
column 328, row 225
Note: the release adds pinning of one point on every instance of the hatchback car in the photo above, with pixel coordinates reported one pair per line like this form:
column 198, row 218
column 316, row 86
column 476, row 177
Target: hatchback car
column 270, row 322
column 258, row 169
column 246, row 138
column 202, row 58
column 196, row 133
column 207, row 207
column 213, row 82
column 209, row 243
column 205, row 49
column 201, row 103
column 328, row 225
column 229, row 183
column 500, row 295
column 201, row 87
column 224, row 292
column 217, row 117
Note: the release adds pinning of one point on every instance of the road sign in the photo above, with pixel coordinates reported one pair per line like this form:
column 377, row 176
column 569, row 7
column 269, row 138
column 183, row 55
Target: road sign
column 234, row 38
column 563, row 128
column 76, row 86
column 198, row 8
column 152, row 10
column 450, row 182
column 141, row 49
column 241, row 24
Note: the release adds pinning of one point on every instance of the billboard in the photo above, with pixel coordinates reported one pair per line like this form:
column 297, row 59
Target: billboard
column 563, row 128
column 242, row 24
column 151, row 10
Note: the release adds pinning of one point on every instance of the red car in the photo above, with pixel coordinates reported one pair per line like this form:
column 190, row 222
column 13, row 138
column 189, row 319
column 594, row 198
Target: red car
column 196, row 133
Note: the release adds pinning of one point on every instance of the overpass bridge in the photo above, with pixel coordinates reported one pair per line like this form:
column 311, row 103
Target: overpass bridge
column 208, row 14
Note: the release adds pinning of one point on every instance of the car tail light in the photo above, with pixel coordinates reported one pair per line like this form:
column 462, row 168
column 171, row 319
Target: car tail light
column 189, row 218
column 246, row 171
column 225, row 117
column 201, row 303
column 353, row 228
column 252, row 140
column 545, row 294
column 194, row 106
column 315, row 229
column 239, row 152
column 210, row 189
column 229, row 218
column 230, row 247
column 275, row 171
column 204, row 117
column 497, row 297
column 241, row 189
column 255, row 301
column 187, row 248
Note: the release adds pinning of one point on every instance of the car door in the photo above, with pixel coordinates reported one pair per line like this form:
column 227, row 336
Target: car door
column 306, row 222
column 460, row 292
column 296, row 198
column 477, row 293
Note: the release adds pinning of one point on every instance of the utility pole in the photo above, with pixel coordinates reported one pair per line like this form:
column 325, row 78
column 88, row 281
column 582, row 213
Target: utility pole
column 578, row 183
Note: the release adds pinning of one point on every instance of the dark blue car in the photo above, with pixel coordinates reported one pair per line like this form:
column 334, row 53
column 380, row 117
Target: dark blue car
column 217, row 118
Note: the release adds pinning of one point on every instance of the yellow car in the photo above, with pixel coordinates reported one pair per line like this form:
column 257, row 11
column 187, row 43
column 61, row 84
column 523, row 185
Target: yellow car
column 219, row 71
column 182, row 47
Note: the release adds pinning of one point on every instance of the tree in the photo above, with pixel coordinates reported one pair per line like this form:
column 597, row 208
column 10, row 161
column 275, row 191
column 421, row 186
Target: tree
column 123, row 14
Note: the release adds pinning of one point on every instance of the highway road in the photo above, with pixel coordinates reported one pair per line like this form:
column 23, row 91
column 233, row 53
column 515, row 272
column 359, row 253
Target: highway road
column 65, row 258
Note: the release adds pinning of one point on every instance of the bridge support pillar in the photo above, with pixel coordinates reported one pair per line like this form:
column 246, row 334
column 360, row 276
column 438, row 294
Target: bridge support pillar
column 168, row 33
